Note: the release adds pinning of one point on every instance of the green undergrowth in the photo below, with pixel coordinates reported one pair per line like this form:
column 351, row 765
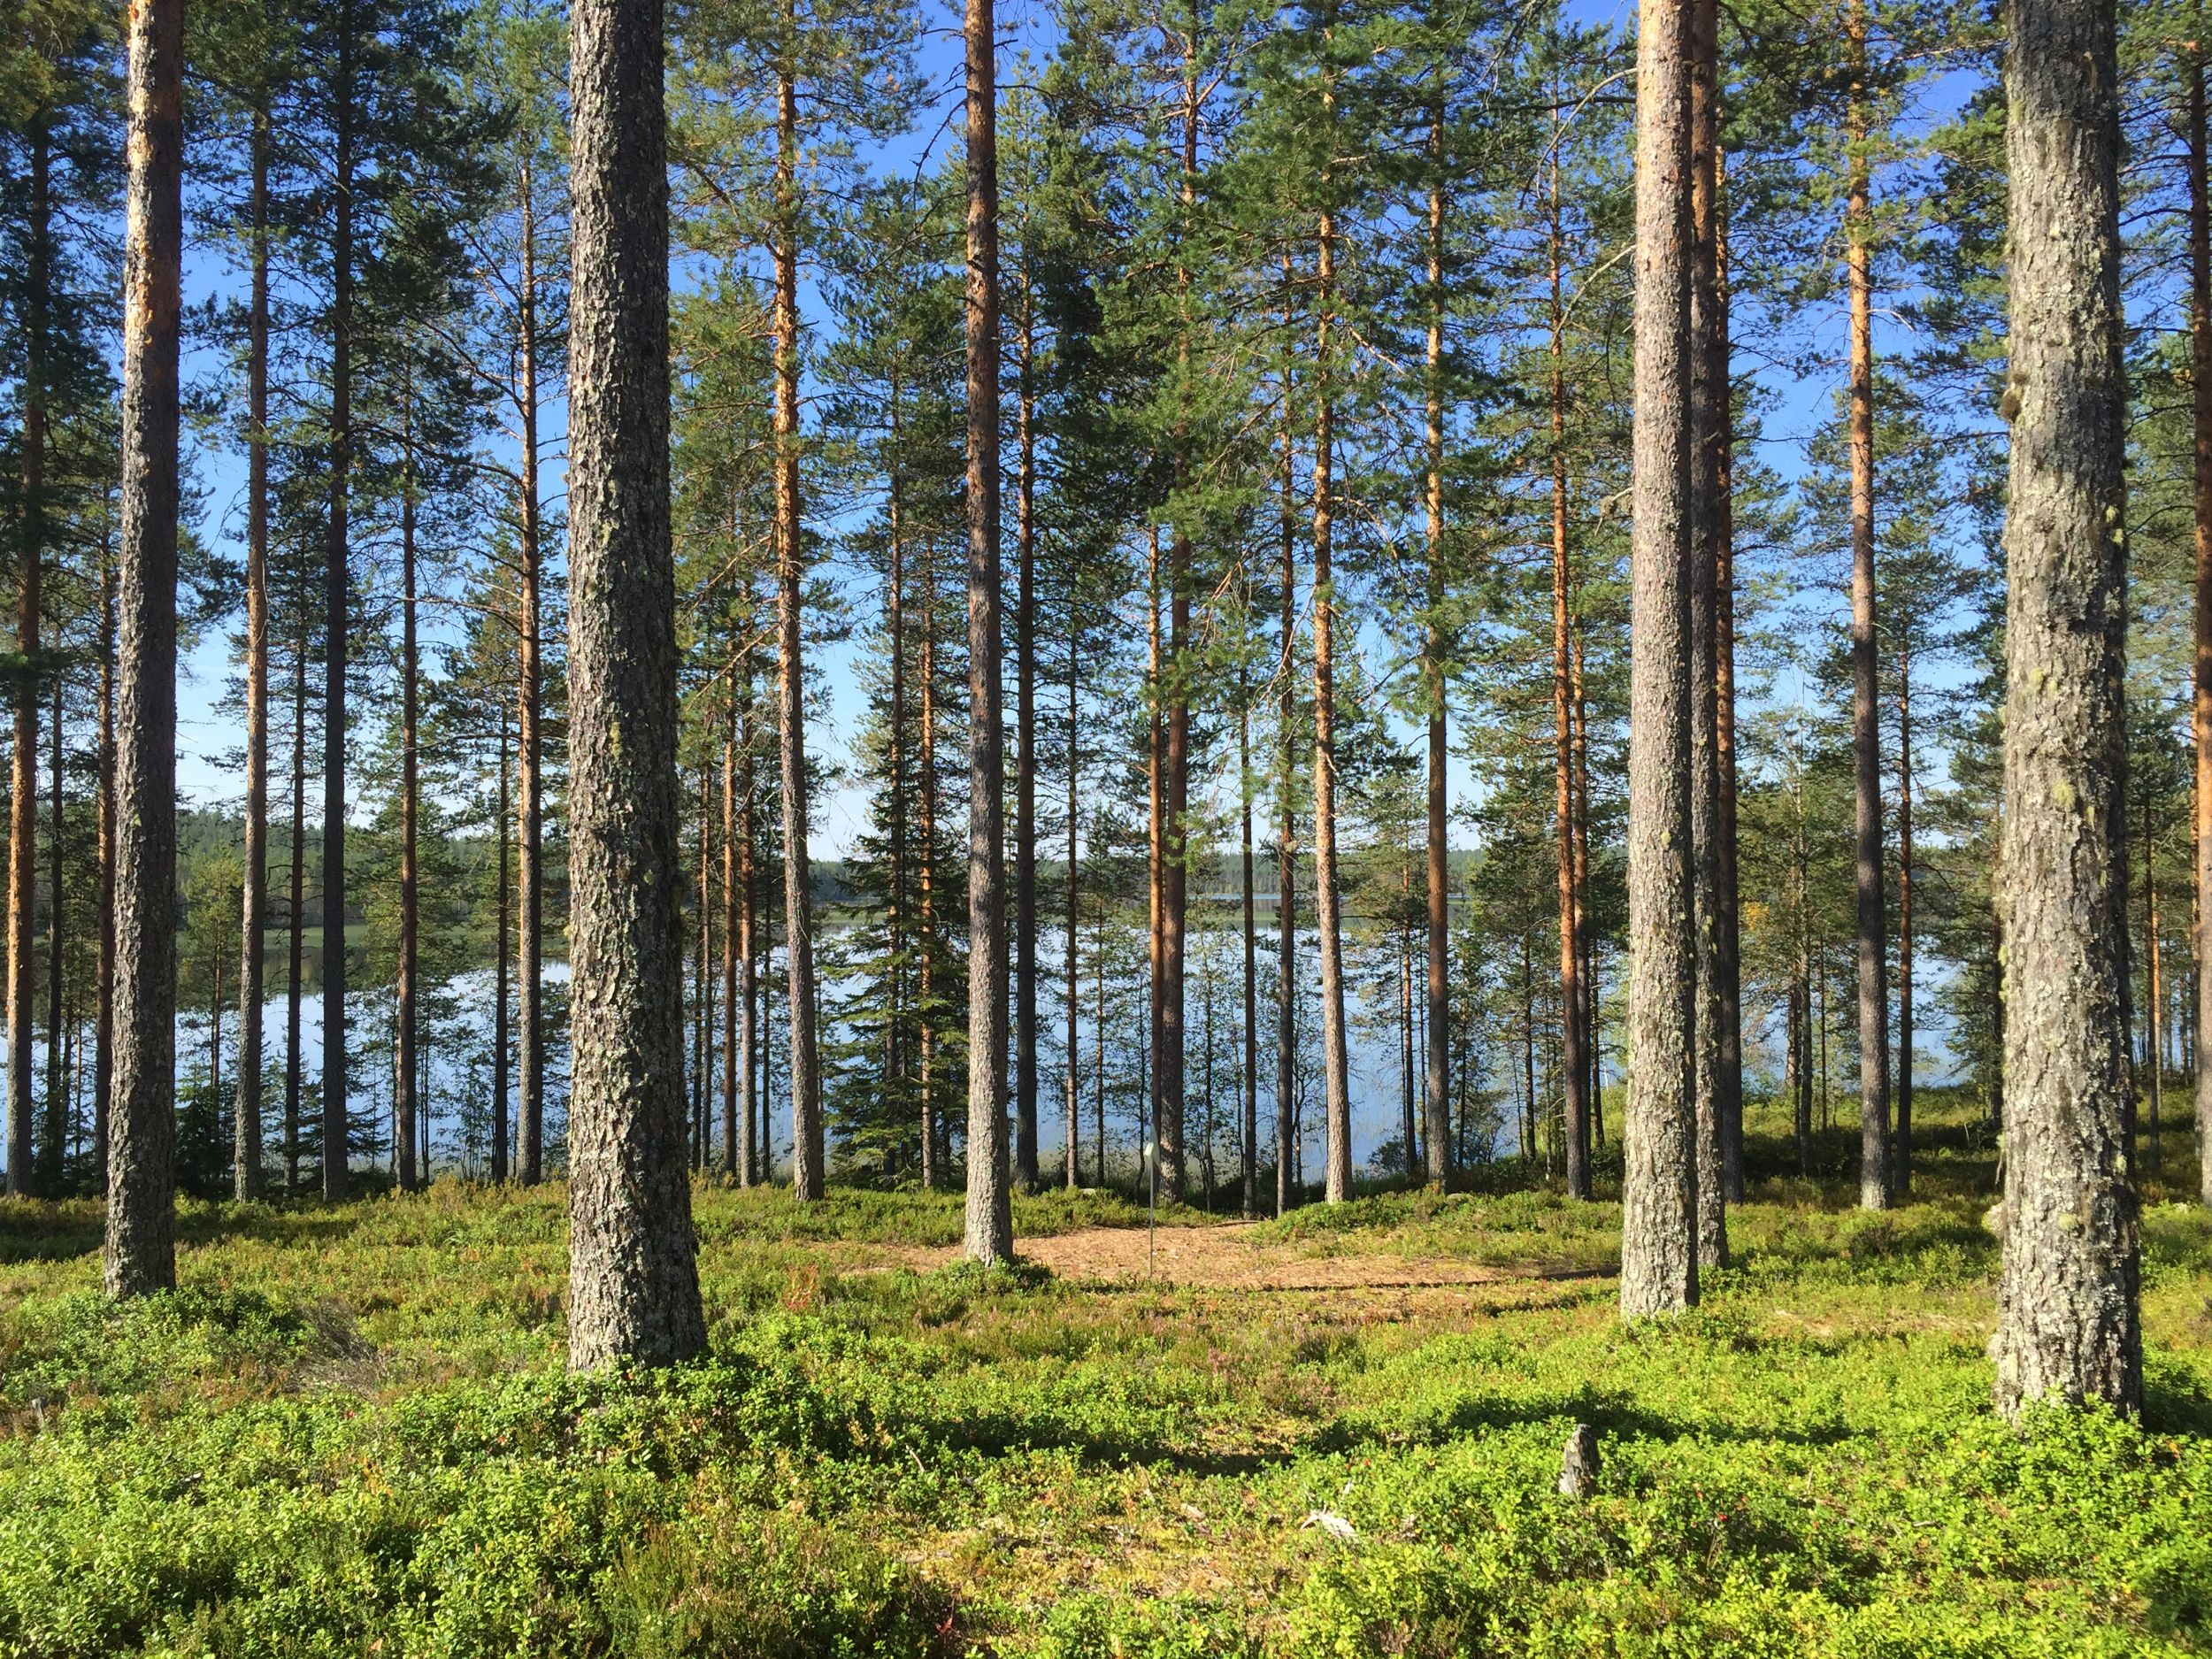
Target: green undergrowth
column 351, row 1433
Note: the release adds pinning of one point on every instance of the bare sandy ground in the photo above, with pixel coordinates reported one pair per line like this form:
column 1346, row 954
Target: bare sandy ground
column 1226, row 1256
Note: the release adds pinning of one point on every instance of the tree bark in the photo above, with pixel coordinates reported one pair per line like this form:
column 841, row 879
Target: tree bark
column 1436, row 1104
column 1866, row 714
column 808, row 1146
column 730, row 1060
column 23, row 772
column 1728, row 941
column 336, row 594
column 1659, row 1262
column 990, row 1225
column 634, row 1281
column 752, row 1152
column 1573, row 1066
column 2200, row 699
column 254, row 893
column 1900, row 1148
column 2068, row 1322
column 1336, row 1063
column 103, row 993
column 294, row 987
column 530, row 746
column 500, row 1118
column 1075, row 659
column 1285, row 806
column 1026, row 758
column 141, row 1254
column 1248, row 1167
column 53, row 1155
column 1709, row 388
column 405, row 1106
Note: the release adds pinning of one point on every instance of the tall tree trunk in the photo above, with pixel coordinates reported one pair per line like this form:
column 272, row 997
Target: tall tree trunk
column 1901, row 1161
column 1335, row 1055
column 23, row 776
column 1709, row 387
column 990, row 1225
column 932, row 1176
column 730, row 1059
column 1155, row 855
column 1586, row 947
column 53, row 1155
column 336, row 593
column 530, row 743
column 1025, row 759
column 405, row 1106
column 141, row 1254
column 1727, row 915
column 1866, row 713
column 2068, row 1321
column 752, row 1152
column 633, row 1282
column 2200, row 699
column 103, row 992
column 702, row 982
column 1659, row 1257
column 2153, row 963
column 294, row 987
column 254, row 893
column 500, row 1106
column 1287, row 803
column 1248, row 1168
column 1574, row 1067
column 808, row 1146
column 1436, row 1104
column 1075, row 659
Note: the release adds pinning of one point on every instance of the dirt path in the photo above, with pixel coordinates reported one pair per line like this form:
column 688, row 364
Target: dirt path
column 1226, row 1256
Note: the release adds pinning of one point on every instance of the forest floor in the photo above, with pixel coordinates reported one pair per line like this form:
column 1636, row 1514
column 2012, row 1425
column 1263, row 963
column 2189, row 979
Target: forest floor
column 1336, row 1433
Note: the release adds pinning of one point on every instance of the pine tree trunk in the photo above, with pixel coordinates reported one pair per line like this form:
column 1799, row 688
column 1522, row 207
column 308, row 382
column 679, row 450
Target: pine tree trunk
column 990, row 1226
column 1659, row 1192
column 1866, row 714
column 807, row 1143
column 752, row 1151
column 730, row 1061
column 337, row 593
column 1075, row 658
column 141, row 1254
column 702, row 984
column 254, row 895
column 294, row 987
column 500, row 1106
column 932, row 1176
column 53, row 1154
column 529, row 748
column 1156, row 854
column 633, row 1284
column 1709, row 388
column 2201, row 700
column 2153, row 965
column 1336, row 1063
column 1728, row 941
column 1248, row 1166
column 1025, row 760
column 1574, row 1065
column 1436, row 1104
column 23, row 775
column 1285, row 807
column 405, row 1106
column 2069, row 1323
column 103, row 993
column 1901, row 1149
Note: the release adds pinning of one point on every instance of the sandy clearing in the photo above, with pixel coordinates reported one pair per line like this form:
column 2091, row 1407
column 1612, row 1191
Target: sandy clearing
column 1226, row 1256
